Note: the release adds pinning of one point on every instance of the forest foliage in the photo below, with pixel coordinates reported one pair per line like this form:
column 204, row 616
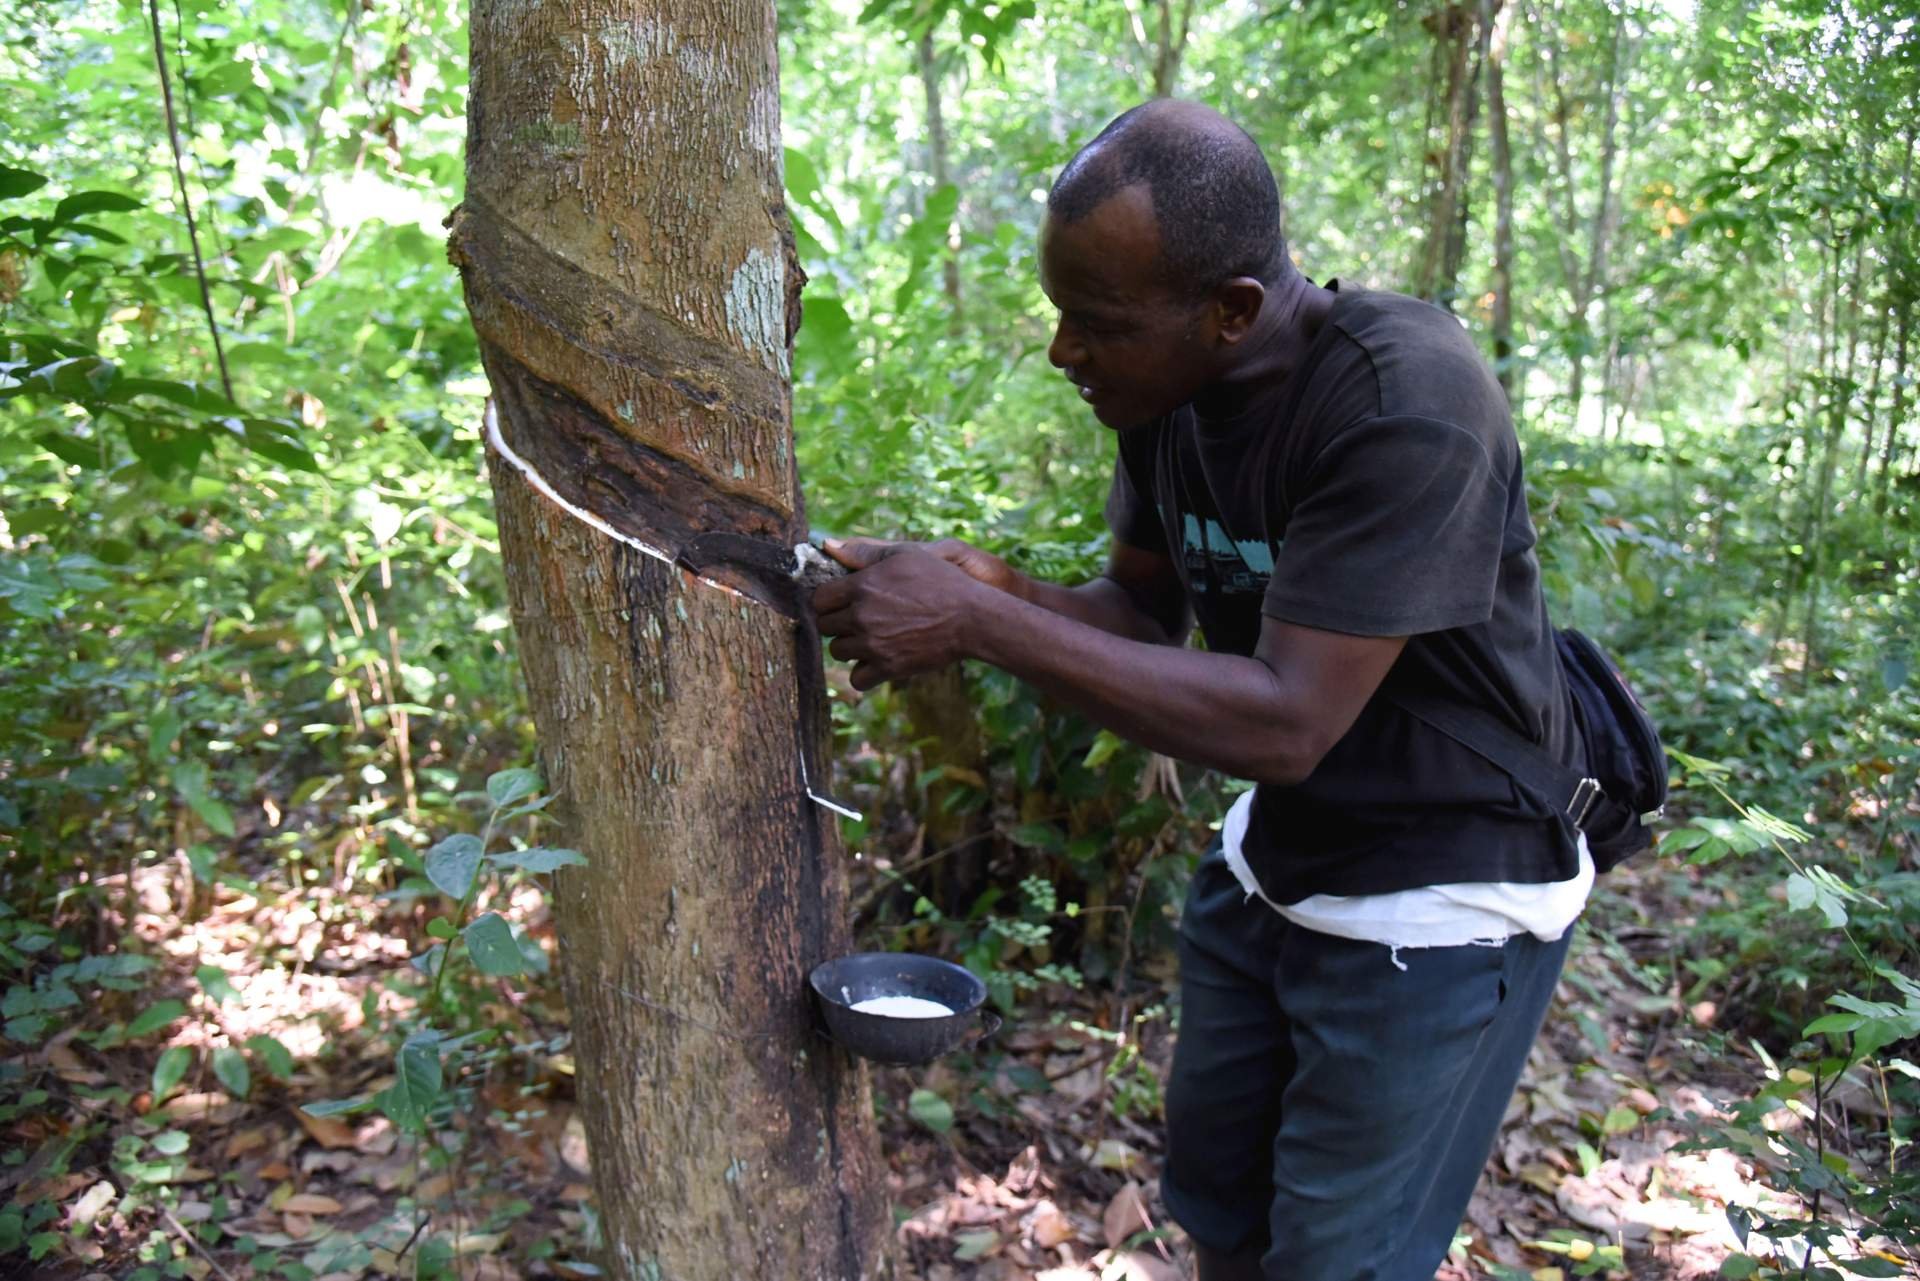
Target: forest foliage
column 255, row 633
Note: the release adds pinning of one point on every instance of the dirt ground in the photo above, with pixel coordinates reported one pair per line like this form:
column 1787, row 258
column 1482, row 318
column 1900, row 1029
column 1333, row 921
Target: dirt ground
column 1029, row 1160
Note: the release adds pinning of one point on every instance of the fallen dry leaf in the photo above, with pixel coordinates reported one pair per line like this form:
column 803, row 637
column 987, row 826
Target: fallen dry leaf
column 1137, row 1265
column 478, row 1243
column 298, row 1226
column 573, row 1145
column 377, row 1137
column 309, row 1203
column 209, row 1107
column 1112, row 1154
column 1125, row 1215
column 327, row 1131
column 92, row 1204
column 247, row 1141
column 1048, row 1226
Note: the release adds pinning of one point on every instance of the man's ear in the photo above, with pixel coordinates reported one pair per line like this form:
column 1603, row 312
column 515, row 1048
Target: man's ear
column 1236, row 305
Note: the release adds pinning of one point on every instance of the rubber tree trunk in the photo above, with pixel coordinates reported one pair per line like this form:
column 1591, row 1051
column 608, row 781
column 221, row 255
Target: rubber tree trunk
column 627, row 265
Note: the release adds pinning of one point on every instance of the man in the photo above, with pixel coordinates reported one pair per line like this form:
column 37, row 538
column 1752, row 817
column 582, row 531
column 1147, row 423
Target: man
column 1327, row 479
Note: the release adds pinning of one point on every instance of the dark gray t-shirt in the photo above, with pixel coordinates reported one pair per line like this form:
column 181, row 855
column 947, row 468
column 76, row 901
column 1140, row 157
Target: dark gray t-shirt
column 1378, row 492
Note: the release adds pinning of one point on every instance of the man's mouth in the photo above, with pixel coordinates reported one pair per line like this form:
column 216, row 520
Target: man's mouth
column 1087, row 392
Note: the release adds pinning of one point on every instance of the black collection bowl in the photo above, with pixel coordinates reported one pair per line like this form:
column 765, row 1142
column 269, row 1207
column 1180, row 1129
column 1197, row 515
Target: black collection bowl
column 844, row 983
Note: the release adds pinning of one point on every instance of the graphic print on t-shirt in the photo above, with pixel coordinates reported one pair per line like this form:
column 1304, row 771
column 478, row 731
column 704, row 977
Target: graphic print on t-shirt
column 1241, row 566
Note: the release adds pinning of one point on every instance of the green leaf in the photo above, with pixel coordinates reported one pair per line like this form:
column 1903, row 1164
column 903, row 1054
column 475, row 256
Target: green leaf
column 509, row 785
column 974, row 1243
column 539, row 859
column 440, row 928
column 169, row 1069
column 1871, row 1266
column 1834, row 1023
column 452, row 863
column 490, row 943
column 930, row 1110
column 336, row 1107
column 82, row 203
column 1737, row 1267
column 1038, row 836
column 215, row 983
column 80, row 453
column 278, row 442
column 15, row 183
column 155, row 1017
column 1105, row 744
column 231, row 1067
column 409, row 1101
column 171, row 1142
column 803, row 184
column 1619, row 1121
column 190, row 782
column 275, row 1057
column 161, row 731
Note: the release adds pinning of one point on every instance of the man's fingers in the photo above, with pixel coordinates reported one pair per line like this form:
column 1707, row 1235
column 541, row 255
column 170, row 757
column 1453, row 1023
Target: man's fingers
column 832, row 596
column 838, row 623
column 851, row 649
column 858, row 553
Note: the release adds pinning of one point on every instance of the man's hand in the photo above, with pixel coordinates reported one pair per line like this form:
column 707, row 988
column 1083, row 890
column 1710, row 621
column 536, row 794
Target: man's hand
column 985, row 567
column 904, row 609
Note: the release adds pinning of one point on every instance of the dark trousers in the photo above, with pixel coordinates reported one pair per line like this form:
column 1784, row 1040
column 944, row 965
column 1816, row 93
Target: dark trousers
column 1329, row 1106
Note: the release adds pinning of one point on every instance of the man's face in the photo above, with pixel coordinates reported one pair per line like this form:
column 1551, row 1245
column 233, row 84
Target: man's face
column 1134, row 348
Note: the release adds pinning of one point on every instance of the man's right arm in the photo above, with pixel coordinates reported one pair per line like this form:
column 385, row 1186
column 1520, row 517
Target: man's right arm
column 1139, row 596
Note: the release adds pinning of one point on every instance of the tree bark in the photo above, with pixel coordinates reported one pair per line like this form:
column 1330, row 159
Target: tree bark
column 942, row 171
column 1170, row 47
column 1894, row 245
column 939, row 705
column 629, row 272
column 1456, row 31
column 1583, row 282
column 1500, row 20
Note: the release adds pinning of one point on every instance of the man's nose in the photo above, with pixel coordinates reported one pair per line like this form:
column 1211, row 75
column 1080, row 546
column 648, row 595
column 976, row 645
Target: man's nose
column 1065, row 351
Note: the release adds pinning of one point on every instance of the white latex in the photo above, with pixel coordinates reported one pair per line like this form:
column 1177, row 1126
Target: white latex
column 903, row 1007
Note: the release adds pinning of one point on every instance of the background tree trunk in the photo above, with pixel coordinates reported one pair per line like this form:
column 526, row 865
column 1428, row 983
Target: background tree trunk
column 939, row 705
column 627, row 265
column 1458, row 35
column 1500, row 22
column 939, row 167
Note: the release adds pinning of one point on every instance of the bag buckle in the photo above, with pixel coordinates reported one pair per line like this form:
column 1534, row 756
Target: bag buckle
column 1582, row 803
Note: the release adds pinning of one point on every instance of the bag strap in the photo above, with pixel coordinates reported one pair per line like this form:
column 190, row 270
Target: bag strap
column 1531, row 766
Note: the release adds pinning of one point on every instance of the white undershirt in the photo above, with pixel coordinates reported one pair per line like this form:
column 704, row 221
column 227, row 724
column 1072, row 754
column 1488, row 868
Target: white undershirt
column 1482, row 913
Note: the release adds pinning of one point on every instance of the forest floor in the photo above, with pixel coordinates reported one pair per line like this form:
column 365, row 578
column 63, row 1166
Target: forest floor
column 1034, row 1174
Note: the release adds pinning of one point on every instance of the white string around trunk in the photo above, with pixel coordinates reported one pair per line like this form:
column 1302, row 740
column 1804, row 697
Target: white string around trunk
column 801, row 555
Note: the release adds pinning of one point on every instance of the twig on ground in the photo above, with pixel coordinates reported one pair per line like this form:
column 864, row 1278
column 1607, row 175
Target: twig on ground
column 193, row 1243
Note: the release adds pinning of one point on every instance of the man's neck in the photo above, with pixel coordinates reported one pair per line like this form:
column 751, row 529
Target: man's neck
column 1294, row 310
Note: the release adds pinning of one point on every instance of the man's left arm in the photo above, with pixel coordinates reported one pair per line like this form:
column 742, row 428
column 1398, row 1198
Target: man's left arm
column 1268, row 718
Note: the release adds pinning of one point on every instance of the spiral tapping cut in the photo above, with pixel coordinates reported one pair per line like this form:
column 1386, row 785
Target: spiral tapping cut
column 810, row 567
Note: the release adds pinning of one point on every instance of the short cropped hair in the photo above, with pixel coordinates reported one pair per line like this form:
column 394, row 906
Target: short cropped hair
column 1214, row 197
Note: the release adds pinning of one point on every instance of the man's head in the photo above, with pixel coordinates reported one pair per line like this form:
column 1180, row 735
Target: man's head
column 1160, row 240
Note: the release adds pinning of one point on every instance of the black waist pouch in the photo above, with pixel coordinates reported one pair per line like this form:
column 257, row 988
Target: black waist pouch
column 1621, row 791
